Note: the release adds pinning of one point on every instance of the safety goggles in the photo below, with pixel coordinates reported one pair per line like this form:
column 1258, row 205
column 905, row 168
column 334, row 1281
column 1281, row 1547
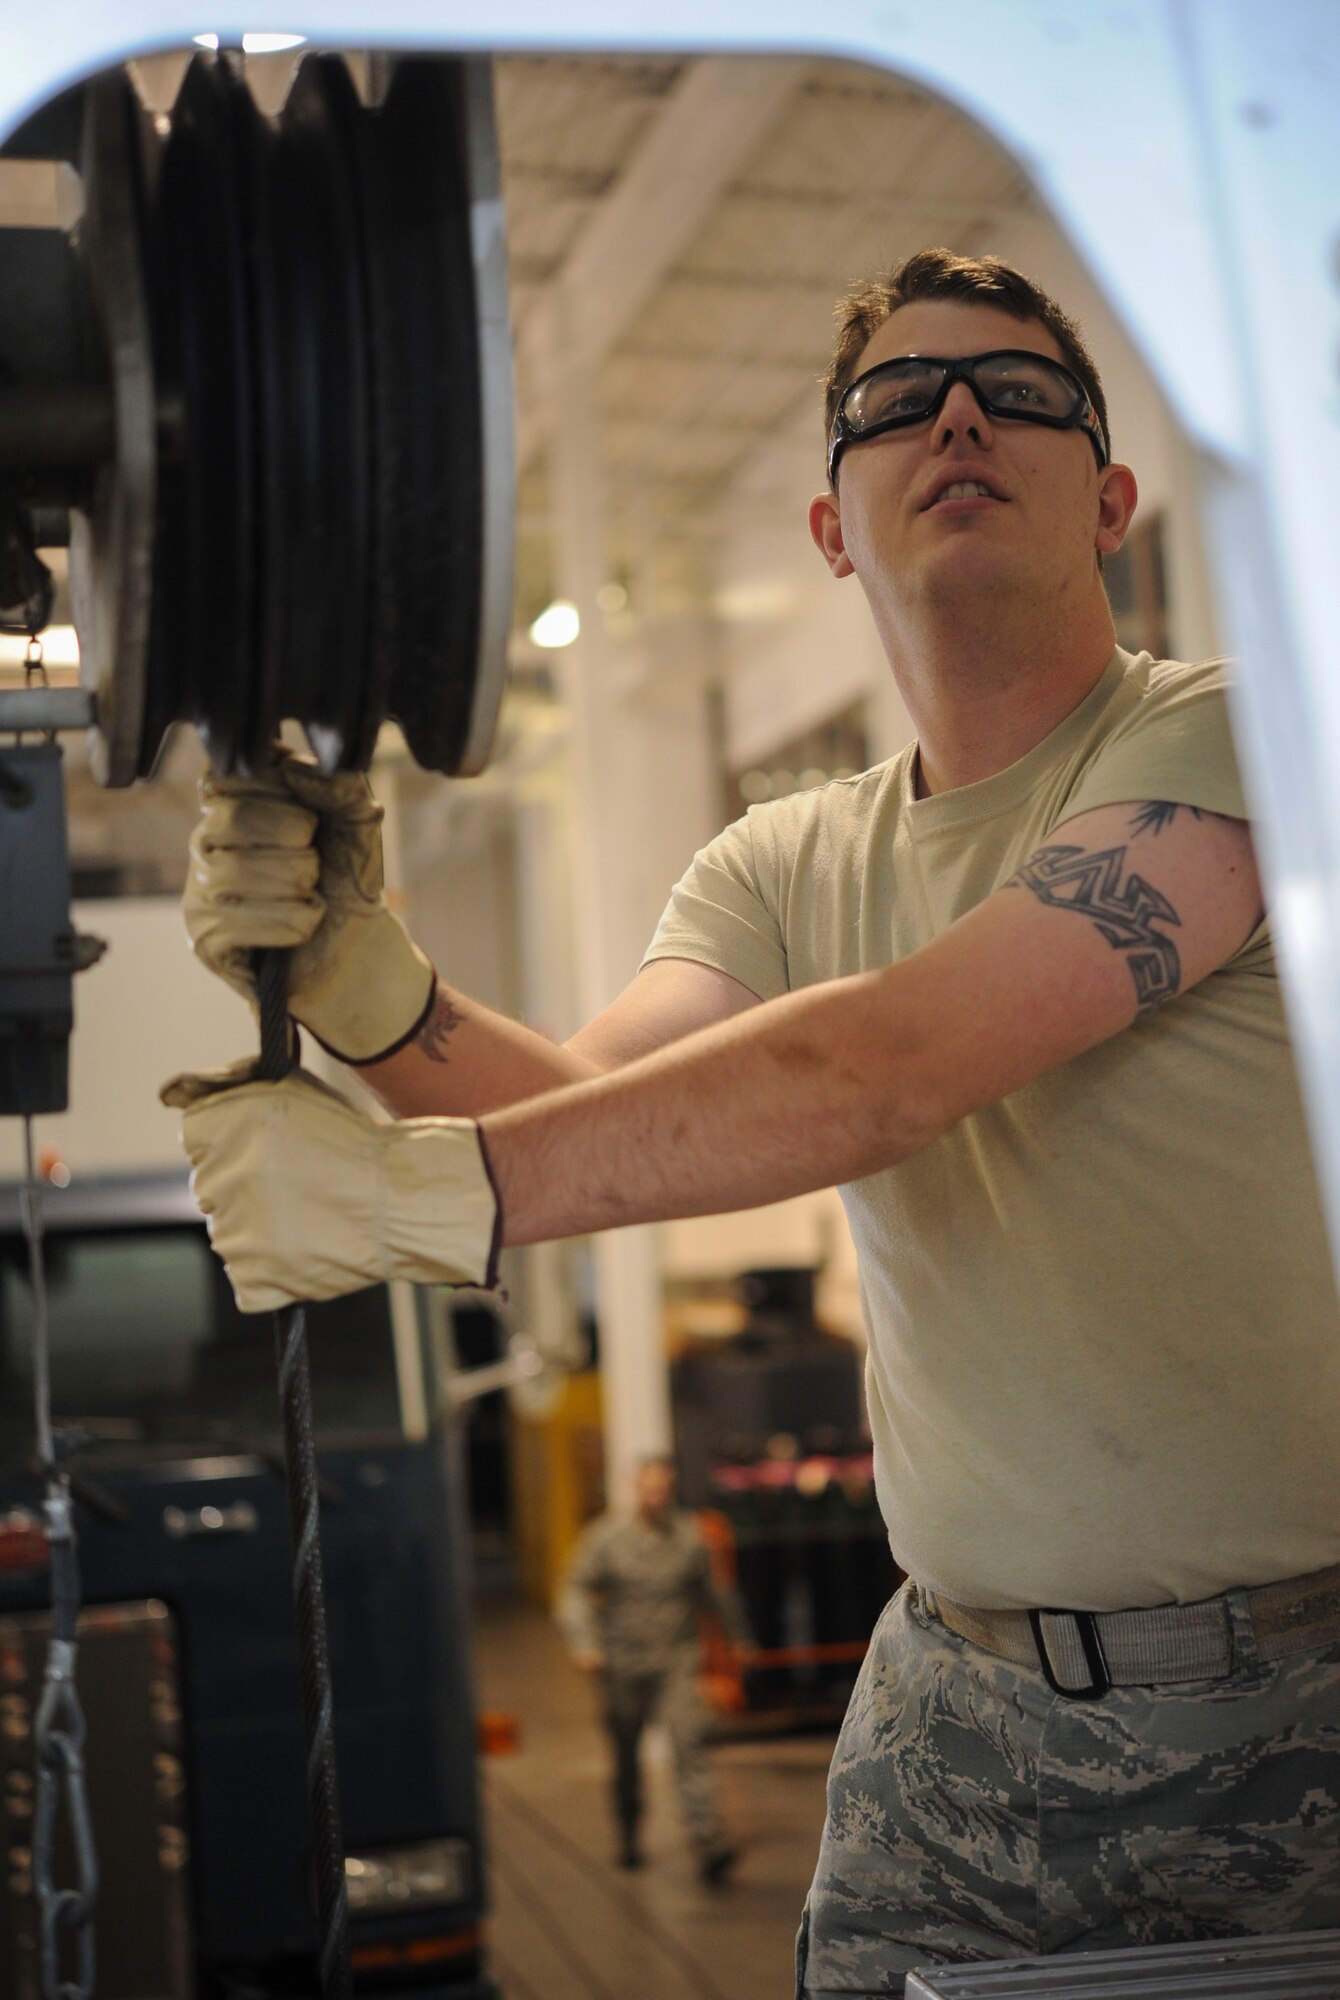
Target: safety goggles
column 1007, row 382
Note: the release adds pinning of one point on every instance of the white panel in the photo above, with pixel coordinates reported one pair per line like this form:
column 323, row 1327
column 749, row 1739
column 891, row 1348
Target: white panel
column 144, row 1013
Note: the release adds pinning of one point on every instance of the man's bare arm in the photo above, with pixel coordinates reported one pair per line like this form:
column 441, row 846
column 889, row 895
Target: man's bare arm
column 1125, row 908
column 467, row 1059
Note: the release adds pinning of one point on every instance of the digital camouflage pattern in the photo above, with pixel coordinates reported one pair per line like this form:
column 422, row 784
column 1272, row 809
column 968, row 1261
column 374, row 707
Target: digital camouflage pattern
column 671, row 1698
column 635, row 1591
column 973, row 1814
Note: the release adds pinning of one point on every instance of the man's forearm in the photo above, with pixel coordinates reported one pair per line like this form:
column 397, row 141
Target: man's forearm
column 777, row 1102
column 466, row 1059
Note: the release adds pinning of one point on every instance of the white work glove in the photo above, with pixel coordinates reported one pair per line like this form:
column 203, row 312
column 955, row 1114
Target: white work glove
column 307, row 1198
column 292, row 858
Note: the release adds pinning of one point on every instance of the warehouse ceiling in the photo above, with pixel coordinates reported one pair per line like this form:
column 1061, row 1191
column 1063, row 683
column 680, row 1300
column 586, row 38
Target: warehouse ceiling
column 681, row 229
column 698, row 220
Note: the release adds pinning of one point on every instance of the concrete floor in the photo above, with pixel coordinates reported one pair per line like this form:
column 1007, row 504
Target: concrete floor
column 566, row 1923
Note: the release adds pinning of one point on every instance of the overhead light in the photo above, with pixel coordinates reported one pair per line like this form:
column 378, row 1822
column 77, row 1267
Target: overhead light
column 557, row 625
column 270, row 45
column 255, row 44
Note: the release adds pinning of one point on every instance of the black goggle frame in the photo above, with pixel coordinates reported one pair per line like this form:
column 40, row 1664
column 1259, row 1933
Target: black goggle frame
column 962, row 368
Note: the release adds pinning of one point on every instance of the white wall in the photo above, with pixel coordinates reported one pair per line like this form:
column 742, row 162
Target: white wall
column 144, row 1013
column 795, row 645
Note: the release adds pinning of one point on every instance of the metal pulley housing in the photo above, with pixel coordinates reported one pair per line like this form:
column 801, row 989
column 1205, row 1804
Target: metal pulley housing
column 268, row 382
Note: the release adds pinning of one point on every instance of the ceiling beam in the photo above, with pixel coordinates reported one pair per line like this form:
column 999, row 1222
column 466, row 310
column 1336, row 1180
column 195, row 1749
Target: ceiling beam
column 710, row 124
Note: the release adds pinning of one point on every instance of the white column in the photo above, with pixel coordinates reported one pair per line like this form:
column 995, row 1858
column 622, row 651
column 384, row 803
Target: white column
column 609, row 927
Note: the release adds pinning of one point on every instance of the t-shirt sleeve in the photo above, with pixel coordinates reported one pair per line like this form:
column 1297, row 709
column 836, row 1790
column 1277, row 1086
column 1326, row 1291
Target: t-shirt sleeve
column 719, row 914
column 1175, row 744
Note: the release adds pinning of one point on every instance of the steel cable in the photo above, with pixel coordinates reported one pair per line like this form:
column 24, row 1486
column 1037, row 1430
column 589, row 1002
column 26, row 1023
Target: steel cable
column 295, row 1395
column 58, row 1727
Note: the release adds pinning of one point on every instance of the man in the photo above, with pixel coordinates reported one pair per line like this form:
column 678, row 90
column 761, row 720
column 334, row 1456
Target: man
column 1013, row 990
column 634, row 1594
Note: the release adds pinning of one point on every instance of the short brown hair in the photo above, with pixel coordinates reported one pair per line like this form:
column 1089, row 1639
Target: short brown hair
column 939, row 274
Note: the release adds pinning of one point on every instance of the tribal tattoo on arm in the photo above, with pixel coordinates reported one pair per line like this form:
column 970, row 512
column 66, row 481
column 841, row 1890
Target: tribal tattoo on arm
column 441, row 1024
column 1155, row 814
column 1123, row 907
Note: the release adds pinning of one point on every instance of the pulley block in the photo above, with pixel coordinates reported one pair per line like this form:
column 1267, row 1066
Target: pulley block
column 270, row 385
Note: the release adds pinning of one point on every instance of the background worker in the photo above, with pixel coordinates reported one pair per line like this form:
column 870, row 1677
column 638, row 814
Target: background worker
column 1014, row 992
column 633, row 1598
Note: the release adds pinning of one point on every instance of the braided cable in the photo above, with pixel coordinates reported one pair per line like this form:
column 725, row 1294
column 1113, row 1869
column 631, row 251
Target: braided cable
column 295, row 1397
column 66, row 1915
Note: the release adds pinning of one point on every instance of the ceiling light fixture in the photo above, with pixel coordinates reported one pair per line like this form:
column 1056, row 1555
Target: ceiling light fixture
column 557, row 625
column 255, row 43
column 270, row 45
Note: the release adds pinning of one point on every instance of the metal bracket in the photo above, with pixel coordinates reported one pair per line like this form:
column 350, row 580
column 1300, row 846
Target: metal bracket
column 47, row 708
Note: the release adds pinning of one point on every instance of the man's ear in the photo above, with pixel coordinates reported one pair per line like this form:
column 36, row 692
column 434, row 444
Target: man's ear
column 1118, row 496
column 826, row 529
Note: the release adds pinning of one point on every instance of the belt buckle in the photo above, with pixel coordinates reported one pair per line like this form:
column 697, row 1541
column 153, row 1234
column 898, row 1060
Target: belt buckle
column 1094, row 1657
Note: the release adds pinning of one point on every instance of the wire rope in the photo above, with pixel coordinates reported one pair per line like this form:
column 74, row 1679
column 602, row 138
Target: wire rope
column 309, row 1597
column 58, row 1727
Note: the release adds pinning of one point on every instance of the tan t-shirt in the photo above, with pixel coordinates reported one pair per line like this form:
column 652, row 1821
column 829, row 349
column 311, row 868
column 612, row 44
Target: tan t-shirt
column 1104, row 1338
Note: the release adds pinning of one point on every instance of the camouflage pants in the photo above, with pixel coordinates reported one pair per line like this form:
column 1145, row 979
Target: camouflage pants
column 974, row 1814
column 668, row 1695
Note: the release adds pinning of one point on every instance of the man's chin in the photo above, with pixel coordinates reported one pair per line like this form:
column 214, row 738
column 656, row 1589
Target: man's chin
column 952, row 576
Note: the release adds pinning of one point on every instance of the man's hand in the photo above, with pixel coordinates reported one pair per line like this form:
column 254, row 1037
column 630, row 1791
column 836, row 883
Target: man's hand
column 306, row 1198
column 291, row 858
column 590, row 1663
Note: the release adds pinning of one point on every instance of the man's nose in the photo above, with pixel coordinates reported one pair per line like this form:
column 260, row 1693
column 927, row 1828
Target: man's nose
column 961, row 415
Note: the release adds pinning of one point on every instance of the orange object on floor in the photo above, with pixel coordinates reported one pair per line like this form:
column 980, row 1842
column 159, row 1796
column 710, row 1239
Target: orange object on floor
column 497, row 1732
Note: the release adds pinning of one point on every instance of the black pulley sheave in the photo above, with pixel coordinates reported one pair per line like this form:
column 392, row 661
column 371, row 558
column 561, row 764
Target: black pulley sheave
column 427, row 394
column 291, row 488
column 208, row 539
column 316, row 390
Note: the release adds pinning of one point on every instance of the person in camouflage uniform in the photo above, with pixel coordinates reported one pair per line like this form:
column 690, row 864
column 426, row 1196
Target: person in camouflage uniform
column 632, row 1599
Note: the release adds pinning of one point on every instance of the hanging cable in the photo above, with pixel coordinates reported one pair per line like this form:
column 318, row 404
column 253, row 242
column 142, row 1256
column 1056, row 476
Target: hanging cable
column 58, row 1731
column 295, row 1395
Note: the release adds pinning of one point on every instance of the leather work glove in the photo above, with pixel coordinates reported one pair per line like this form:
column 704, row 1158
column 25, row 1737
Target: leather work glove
column 293, row 858
column 307, row 1198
